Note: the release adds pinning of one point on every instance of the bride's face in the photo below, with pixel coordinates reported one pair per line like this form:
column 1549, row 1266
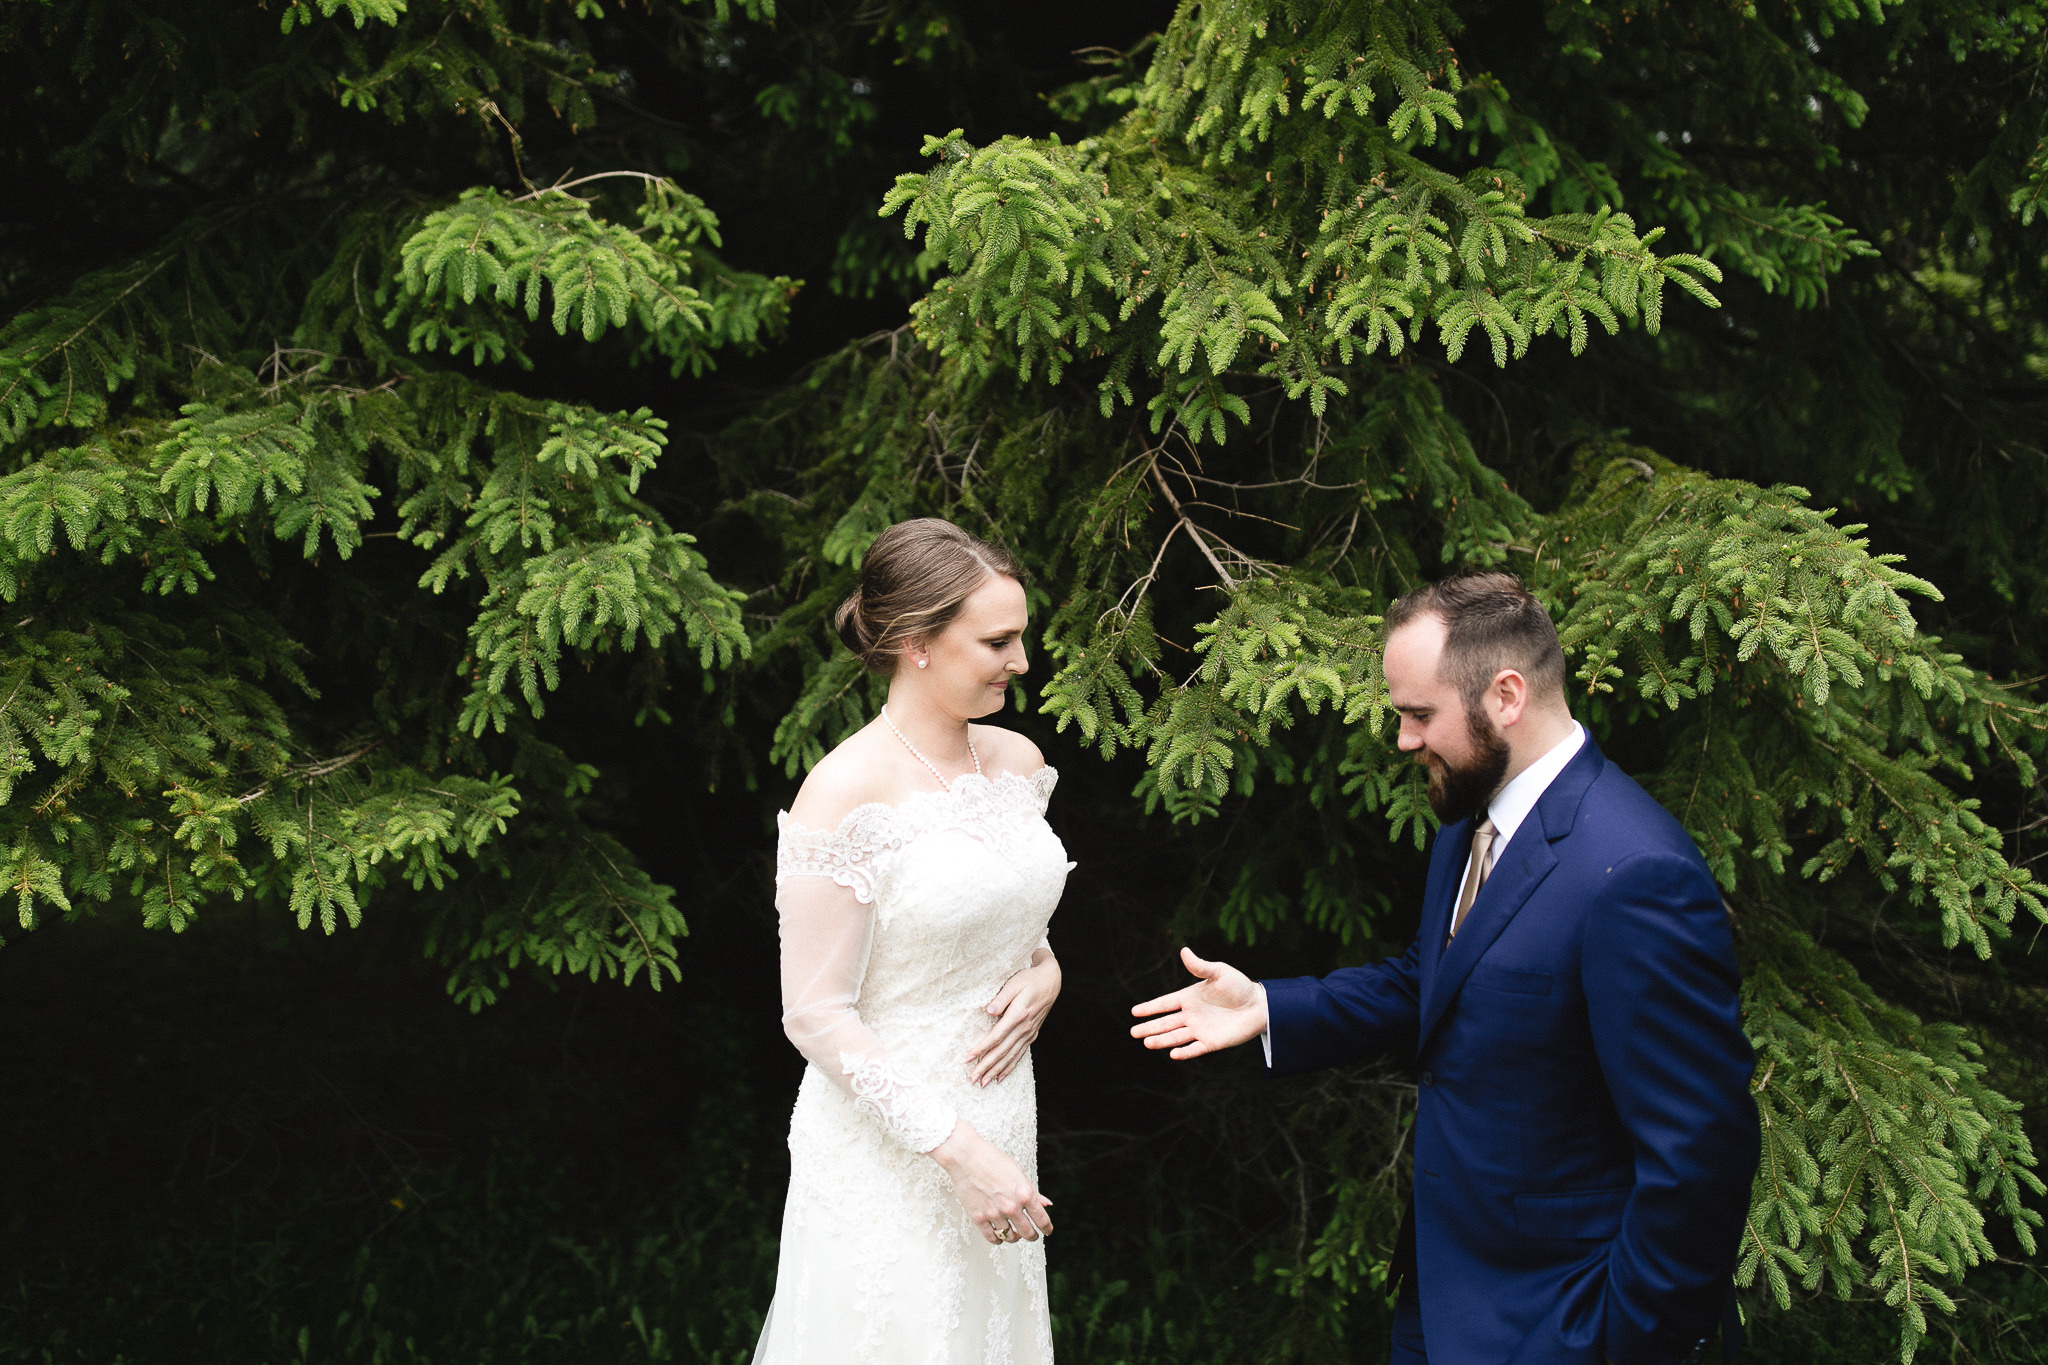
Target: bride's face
column 970, row 663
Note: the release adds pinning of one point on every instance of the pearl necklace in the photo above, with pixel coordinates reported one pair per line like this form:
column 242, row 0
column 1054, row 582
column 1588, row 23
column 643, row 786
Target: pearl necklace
column 944, row 785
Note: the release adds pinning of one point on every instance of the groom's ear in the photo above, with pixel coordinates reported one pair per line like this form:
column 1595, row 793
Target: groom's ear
column 1507, row 697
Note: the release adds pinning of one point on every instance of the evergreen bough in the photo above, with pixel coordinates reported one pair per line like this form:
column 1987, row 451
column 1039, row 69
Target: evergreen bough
column 291, row 578
column 1188, row 363
column 194, row 447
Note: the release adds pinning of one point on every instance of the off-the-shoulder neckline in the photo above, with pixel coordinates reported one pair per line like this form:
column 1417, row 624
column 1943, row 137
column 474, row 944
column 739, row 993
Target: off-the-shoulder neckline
column 1043, row 773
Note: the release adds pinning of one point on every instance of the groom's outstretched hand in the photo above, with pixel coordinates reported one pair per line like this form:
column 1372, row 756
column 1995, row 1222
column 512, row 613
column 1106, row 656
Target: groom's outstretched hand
column 1221, row 1010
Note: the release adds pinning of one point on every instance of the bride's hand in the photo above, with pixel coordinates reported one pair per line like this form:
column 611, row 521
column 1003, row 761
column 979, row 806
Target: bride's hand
column 993, row 1189
column 1221, row 1010
column 1020, row 1008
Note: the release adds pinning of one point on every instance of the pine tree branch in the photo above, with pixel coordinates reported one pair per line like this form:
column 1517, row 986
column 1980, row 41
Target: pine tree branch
column 1194, row 531
column 564, row 186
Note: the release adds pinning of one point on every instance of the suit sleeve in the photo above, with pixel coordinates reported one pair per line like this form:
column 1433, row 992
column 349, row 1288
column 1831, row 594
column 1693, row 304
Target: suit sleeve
column 1349, row 1014
column 1660, row 981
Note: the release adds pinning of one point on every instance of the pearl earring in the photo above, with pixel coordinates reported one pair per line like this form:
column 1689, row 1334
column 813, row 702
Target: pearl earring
column 922, row 662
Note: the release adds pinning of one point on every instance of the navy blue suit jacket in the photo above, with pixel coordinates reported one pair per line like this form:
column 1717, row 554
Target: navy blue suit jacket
column 1584, row 1138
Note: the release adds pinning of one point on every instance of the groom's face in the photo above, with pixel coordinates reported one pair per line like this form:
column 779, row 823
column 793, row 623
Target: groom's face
column 1465, row 755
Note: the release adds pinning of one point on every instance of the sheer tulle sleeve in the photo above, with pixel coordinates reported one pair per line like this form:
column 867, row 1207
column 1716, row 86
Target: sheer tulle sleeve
column 824, row 889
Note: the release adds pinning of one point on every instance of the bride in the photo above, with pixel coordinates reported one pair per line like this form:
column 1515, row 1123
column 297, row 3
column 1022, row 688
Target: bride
column 914, row 881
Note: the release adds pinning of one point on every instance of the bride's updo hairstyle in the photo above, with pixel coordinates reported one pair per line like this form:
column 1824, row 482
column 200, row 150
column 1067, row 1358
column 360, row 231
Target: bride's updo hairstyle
column 913, row 580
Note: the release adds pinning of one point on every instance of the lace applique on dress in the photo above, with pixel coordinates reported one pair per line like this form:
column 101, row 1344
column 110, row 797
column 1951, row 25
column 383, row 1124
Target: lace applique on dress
column 917, row 1118
column 856, row 853
column 849, row 855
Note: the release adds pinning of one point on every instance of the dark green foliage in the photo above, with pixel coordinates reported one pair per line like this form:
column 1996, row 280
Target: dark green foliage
column 1192, row 257
column 1276, row 243
column 183, row 432
column 309, row 528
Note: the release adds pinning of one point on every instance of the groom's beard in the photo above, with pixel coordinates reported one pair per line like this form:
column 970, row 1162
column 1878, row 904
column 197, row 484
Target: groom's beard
column 1457, row 792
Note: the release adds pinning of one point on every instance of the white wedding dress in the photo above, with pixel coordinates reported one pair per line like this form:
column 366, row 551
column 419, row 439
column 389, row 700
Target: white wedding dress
column 898, row 928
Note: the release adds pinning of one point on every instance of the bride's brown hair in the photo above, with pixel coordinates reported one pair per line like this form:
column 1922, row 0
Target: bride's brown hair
column 912, row 582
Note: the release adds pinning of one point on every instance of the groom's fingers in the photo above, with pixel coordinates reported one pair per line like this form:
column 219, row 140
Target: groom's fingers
column 1176, row 1036
column 1197, row 966
column 1160, row 1004
column 1160, row 1025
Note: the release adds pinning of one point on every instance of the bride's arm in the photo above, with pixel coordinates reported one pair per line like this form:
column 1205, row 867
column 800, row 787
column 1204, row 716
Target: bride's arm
column 826, row 933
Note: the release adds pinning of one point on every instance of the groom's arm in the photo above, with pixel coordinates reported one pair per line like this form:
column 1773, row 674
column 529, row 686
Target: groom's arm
column 1353, row 1012
column 1659, row 973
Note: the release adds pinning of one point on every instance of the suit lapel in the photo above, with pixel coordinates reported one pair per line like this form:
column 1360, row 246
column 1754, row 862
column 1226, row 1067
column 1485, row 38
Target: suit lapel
column 1439, row 896
column 1518, row 870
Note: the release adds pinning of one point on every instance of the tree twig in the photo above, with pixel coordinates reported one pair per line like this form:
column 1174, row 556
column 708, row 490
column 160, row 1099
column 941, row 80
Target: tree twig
column 564, row 186
column 1201, row 542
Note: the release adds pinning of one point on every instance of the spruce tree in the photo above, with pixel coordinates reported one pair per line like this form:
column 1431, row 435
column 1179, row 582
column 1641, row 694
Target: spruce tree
column 1211, row 362
column 219, row 683
column 1309, row 303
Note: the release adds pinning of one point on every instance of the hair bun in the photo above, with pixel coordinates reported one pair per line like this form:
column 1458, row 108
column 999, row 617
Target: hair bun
column 847, row 620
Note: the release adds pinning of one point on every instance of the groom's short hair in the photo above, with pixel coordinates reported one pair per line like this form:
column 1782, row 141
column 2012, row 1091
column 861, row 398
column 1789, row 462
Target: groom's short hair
column 1491, row 622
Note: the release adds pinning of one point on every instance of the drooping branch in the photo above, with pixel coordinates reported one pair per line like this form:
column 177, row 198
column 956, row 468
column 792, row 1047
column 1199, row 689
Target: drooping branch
column 1194, row 531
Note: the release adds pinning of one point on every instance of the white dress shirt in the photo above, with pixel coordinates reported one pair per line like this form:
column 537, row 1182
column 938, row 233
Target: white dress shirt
column 1509, row 807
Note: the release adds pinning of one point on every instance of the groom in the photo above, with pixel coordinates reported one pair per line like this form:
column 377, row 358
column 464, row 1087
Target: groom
column 1584, row 1134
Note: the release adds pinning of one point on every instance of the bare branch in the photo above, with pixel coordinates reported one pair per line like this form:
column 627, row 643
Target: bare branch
column 323, row 767
column 1201, row 543
column 564, row 186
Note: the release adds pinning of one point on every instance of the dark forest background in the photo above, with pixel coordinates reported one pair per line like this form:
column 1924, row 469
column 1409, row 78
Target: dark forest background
column 250, row 1142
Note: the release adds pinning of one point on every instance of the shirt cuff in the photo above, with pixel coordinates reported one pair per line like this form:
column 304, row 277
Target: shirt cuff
column 1266, row 1038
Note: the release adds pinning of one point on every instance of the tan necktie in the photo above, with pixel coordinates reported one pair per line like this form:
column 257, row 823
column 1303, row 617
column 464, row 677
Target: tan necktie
column 1475, row 877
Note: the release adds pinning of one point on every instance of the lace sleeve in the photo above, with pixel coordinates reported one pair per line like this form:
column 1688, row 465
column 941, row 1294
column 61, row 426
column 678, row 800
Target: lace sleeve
column 822, row 900
column 850, row 855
